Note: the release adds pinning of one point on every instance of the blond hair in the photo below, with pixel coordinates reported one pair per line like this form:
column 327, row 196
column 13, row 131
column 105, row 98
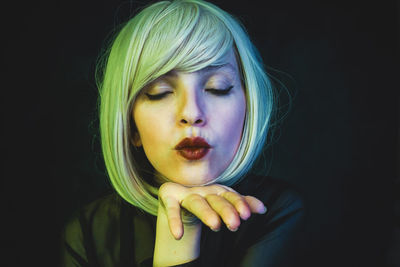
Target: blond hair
column 183, row 35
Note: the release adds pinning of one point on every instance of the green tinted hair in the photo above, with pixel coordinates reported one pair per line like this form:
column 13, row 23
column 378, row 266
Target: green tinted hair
column 183, row 35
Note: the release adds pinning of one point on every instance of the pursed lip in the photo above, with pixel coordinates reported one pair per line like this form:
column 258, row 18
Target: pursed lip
column 196, row 142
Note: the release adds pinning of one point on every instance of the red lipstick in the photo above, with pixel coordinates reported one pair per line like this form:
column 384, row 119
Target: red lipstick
column 193, row 148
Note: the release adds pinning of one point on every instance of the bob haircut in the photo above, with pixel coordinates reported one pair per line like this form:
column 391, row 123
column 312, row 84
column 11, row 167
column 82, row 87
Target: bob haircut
column 183, row 35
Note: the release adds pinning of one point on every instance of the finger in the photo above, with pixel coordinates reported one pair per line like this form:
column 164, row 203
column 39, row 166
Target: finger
column 226, row 210
column 256, row 206
column 173, row 211
column 197, row 205
column 239, row 202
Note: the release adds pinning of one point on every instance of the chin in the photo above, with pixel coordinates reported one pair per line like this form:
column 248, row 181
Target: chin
column 191, row 180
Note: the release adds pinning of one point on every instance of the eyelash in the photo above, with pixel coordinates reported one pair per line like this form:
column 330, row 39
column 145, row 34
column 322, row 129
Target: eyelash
column 157, row 96
column 218, row 92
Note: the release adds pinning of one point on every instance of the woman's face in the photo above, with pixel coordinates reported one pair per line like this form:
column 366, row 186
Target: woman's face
column 190, row 124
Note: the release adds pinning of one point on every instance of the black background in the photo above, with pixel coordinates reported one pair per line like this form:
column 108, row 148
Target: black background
column 338, row 145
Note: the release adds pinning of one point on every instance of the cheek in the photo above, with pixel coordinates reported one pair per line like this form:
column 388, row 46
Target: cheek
column 152, row 126
column 144, row 123
column 230, row 123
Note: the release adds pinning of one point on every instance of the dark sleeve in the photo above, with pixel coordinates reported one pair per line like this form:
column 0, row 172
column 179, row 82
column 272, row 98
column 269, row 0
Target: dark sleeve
column 73, row 253
column 91, row 236
column 274, row 238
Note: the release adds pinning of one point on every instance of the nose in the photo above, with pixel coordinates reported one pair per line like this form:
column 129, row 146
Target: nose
column 191, row 110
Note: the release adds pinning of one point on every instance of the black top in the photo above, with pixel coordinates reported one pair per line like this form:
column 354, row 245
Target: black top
column 111, row 232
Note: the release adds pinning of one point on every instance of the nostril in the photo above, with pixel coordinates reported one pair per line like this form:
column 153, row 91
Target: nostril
column 198, row 121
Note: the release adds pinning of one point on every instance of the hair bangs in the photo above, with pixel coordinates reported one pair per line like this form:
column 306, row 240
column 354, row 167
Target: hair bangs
column 206, row 44
column 186, row 37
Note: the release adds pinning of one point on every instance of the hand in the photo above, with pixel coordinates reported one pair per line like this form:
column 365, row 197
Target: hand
column 208, row 203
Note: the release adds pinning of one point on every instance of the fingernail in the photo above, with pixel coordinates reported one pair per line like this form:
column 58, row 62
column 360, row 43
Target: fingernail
column 245, row 216
column 177, row 236
column 216, row 229
column 233, row 230
column 264, row 210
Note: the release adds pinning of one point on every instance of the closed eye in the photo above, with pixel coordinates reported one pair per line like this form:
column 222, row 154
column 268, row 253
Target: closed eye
column 220, row 92
column 157, row 96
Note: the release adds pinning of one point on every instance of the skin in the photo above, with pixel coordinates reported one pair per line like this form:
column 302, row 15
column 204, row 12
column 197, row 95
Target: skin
column 190, row 106
column 208, row 203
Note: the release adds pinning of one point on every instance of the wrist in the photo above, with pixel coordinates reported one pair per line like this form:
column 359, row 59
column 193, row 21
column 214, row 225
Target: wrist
column 168, row 251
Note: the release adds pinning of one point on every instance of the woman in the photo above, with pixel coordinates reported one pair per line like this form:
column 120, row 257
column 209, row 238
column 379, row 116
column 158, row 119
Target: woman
column 185, row 107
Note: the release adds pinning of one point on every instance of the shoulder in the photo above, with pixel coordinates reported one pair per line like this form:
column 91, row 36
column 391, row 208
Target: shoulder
column 103, row 231
column 105, row 208
column 89, row 223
